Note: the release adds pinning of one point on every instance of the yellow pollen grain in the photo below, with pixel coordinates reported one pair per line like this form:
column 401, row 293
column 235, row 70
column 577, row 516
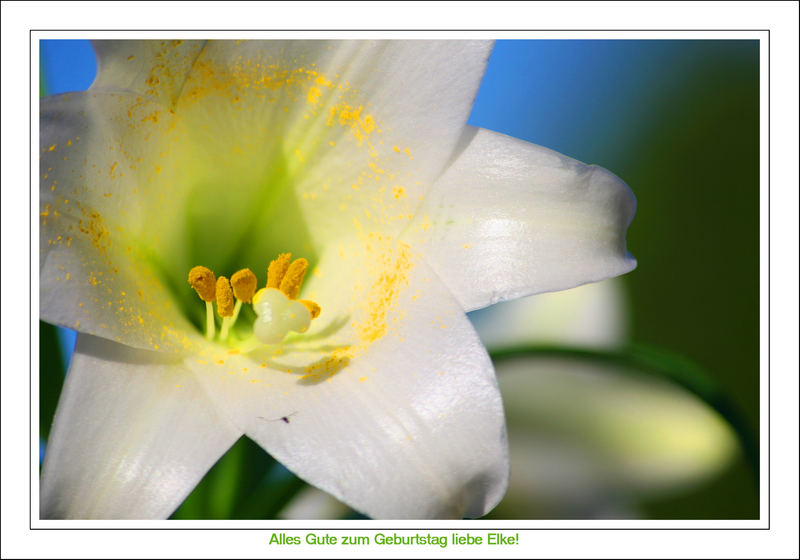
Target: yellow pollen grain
column 277, row 270
column 290, row 285
column 314, row 94
column 204, row 283
column 396, row 149
column 368, row 124
column 51, row 148
column 224, row 297
column 244, row 284
column 312, row 307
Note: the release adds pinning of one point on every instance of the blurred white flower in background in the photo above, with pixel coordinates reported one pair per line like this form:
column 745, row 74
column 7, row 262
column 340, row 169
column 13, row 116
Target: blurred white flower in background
column 588, row 439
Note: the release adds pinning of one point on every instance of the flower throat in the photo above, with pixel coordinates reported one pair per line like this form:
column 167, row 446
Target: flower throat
column 277, row 309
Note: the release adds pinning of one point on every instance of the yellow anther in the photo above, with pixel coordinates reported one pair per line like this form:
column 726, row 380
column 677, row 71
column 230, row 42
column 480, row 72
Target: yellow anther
column 203, row 282
column 312, row 307
column 277, row 270
column 224, row 297
column 290, row 285
column 244, row 284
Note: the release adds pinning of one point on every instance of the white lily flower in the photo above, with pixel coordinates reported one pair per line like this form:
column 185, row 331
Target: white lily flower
column 354, row 155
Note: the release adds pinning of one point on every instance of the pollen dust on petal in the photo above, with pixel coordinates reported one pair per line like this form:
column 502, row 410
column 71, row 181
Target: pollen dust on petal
column 389, row 266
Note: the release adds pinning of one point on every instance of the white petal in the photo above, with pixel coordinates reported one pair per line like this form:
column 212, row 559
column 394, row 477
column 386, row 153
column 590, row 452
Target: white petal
column 409, row 425
column 510, row 219
column 313, row 503
column 157, row 69
column 342, row 129
column 111, row 205
column 587, row 437
column 593, row 315
column 133, row 434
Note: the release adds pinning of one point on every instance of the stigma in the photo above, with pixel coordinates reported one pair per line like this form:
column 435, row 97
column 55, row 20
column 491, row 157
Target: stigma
column 278, row 311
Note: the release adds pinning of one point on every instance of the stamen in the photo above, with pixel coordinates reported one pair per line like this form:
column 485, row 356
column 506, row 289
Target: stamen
column 205, row 284
column 277, row 270
column 211, row 326
column 224, row 297
column 312, row 307
column 280, row 311
column 290, row 285
column 244, row 284
column 224, row 305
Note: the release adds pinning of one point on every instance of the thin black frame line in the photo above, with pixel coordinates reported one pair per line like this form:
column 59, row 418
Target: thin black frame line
column 30, row 284
column 404, row 31
column 769, row 339
column 30, row 308
column 401, row 529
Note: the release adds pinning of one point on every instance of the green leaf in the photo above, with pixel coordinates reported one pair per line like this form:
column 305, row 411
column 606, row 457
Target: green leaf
column 246, row 483
column 51, row 376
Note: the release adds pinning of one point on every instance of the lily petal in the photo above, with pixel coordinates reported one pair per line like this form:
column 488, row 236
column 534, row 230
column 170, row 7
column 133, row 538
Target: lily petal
column 313, row 503
column 411, row 428
column 509, row 219
column 105, row 181
column 157, row 69
column 133, row 434
column 342, row 129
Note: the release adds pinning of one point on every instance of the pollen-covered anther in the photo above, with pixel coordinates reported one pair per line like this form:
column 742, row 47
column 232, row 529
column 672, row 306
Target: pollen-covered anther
column 224, row 297
column 312, row 307
column 293, row 279
column 244, row 285
column 204, row 283
column 277, row 270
